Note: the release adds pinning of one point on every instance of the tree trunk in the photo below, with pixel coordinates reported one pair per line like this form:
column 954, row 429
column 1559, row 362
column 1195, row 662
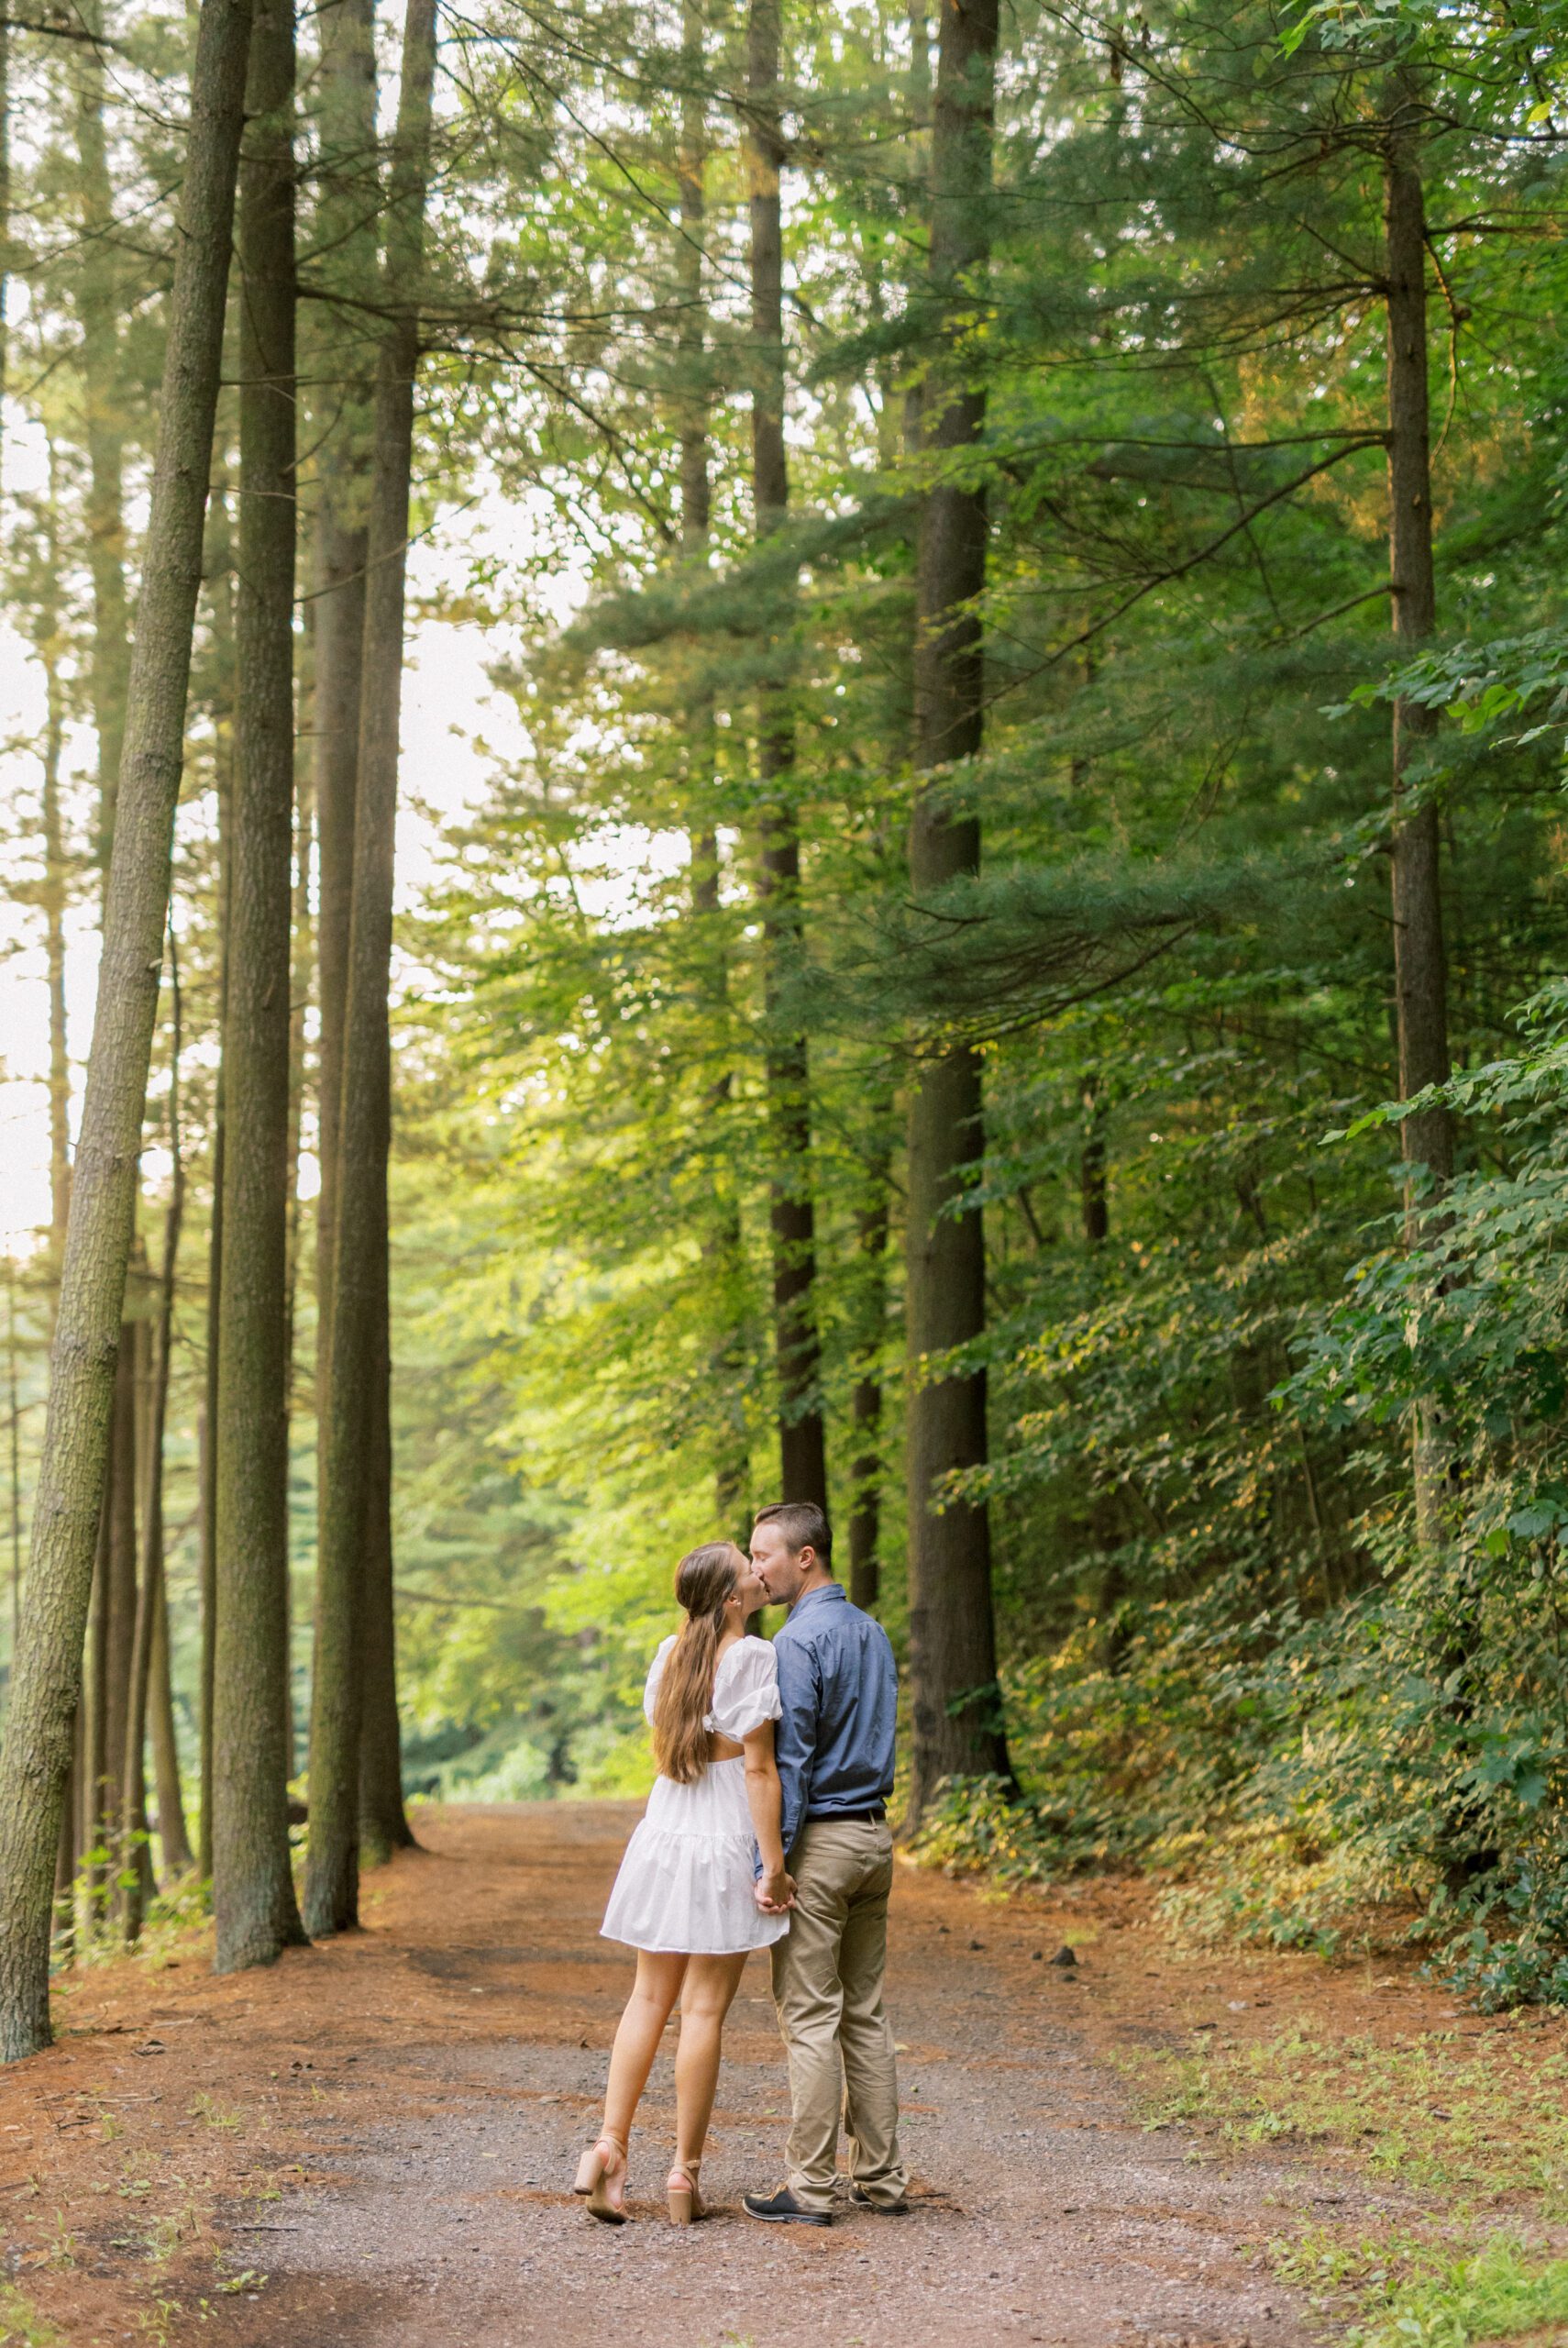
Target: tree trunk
column 340, row 621
column 67, row 1856
column 174, row 1836
column 298, row 1003
column 137, row 1869
column 1093, row 1204
column 345, row 229
column 98, row 308
column 358, row 1236
column 348, row 138
column 866, row 1394
column 1419, row 970
column 383, row 1822
column 94, row 1742
column 956, row 1716
column 56, row 873
column 120, row 1591
column 54, row 902
column 221, row 571
column 135, row 1884
column 207, row 1544
column 253, row 1894
column 721, row 1243
column 1421, row 975
column 802, row 1450
column 36, row 1753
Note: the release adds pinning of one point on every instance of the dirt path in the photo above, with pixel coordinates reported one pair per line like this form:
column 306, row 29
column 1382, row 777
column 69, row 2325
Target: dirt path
column 385, row 2131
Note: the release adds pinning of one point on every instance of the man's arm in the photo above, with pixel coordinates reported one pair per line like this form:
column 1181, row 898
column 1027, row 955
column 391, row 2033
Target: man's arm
column 795, row 1737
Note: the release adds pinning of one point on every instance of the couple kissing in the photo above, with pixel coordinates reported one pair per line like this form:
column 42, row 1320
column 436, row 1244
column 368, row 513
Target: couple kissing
column 766, row 1828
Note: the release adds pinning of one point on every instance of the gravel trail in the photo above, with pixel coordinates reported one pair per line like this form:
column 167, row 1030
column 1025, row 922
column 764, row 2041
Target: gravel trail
column 458, row 2050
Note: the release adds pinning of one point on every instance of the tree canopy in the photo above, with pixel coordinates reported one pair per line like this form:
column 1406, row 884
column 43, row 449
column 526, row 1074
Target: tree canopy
column 1006, row 956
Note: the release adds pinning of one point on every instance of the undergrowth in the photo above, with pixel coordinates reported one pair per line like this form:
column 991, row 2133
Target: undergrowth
column 173, row 1916
column 1422, row 2113
column 1502, row 1943
column 1461, row 2127
column 1411, row 2294
column 21, row 2326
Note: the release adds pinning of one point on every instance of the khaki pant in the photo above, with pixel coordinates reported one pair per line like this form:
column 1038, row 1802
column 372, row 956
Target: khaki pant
column 827, row 1984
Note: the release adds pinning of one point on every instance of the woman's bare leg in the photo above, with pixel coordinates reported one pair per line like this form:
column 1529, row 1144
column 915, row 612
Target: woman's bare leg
column 706, row 1996
column 649, row 2007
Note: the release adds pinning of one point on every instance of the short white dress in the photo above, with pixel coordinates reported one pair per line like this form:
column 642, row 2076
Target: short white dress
column 686, row 1885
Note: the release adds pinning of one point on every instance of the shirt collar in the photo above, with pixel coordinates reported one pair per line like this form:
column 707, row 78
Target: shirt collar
column 823, row 1590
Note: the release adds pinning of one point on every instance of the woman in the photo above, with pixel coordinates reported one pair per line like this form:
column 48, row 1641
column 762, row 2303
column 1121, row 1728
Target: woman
column 685, row 1897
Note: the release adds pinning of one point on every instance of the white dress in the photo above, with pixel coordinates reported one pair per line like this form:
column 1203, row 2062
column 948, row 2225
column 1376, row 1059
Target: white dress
column 686, row 1883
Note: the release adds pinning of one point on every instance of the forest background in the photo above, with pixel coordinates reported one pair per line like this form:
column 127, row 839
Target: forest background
column 1019, row 561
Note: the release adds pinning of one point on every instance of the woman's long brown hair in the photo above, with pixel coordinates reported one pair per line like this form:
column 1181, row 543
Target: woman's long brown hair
column 704, row 1579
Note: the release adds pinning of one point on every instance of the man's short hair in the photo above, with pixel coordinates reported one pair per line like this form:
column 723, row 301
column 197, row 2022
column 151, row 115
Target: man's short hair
column 803, row 1525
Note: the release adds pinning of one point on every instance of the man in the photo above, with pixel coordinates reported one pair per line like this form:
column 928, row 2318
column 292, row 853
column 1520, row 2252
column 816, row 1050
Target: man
column 838, row 1685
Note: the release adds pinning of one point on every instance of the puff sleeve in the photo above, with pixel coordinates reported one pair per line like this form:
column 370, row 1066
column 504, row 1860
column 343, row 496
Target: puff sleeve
column 746, row 1692
column 656, row 1673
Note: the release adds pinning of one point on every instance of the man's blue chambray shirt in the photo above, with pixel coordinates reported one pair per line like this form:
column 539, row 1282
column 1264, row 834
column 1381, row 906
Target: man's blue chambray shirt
column 839, row 1688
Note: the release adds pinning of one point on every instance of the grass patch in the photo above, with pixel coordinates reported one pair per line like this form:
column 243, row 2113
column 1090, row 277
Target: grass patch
column 1422, row 2113
column 21, row 2326
column 1412, row 2294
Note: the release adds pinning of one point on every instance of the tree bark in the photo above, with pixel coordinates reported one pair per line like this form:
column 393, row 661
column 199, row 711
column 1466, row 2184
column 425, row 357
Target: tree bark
column 207, row 1546
column 802, row 1448
column 220, row 572
column 866, row 1395
column 344, row 224
column 1421, row 975
column 67, row 1856
column 134, row 1885
column 956, row 1717
column 358, row 1247
column 253, row 1895
column 102, row 386
column 94, row 1742
column 136, row 1871
column 173, row 1835
column 1093, row 1204
column 298, row 1003
column 340, row 619
column 36, row 1753
column 54, row 898
column 1420, row 971
column 120, row 1593
column 721, row 1243
column 383, row 1822
column 342, row 550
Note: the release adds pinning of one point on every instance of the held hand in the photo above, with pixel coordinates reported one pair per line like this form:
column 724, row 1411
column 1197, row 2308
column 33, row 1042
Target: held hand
column 775, row 1892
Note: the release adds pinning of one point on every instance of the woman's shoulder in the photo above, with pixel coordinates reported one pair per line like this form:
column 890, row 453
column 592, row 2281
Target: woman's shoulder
column 662, row 1651
column 749, row 1653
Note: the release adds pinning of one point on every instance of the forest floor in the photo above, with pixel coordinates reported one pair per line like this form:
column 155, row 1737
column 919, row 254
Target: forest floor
column 371, row 2145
